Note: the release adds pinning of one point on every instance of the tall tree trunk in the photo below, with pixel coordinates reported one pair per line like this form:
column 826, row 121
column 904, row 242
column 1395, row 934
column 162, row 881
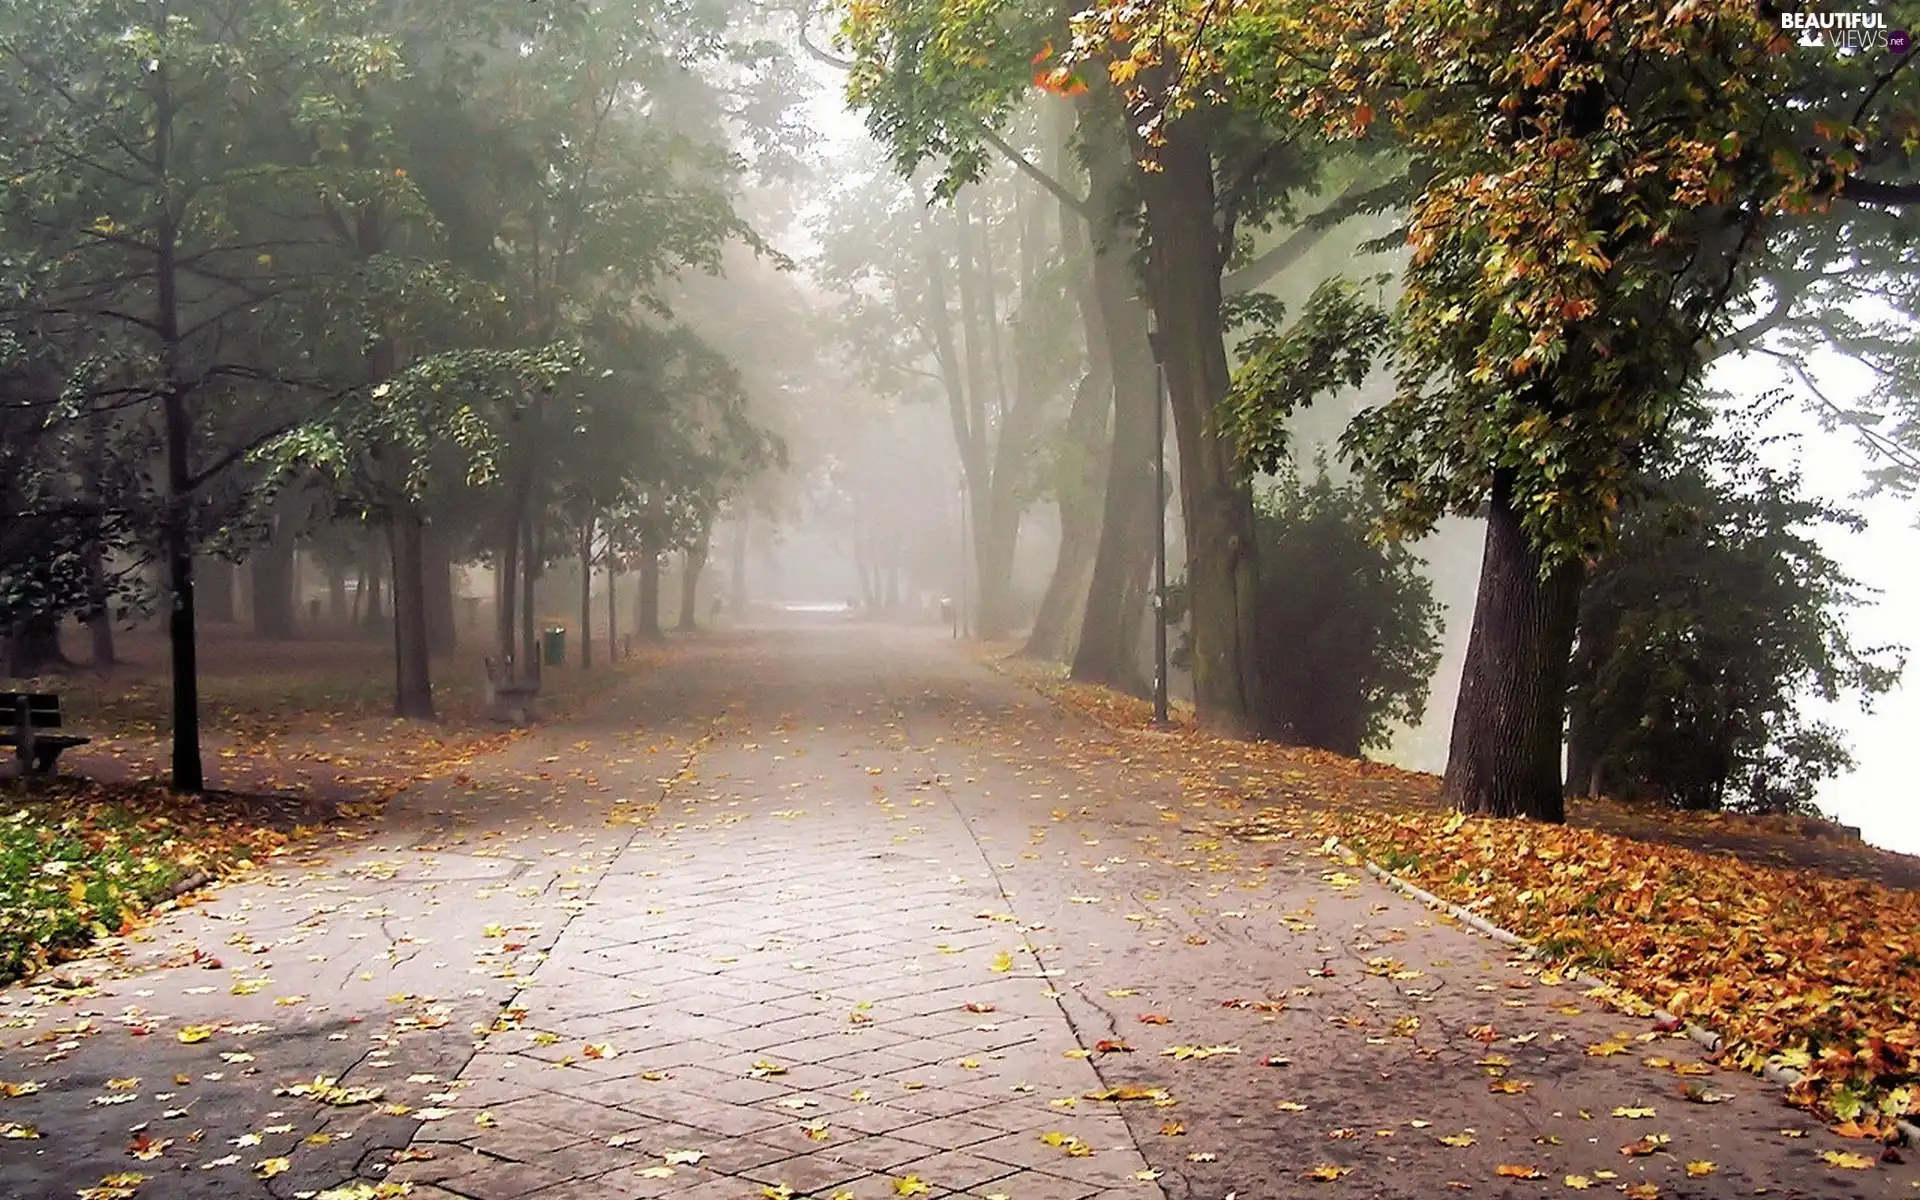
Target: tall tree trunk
column 737, row 569
column 360, row 585
column 1183, row 278
column 613, row 602
column 436, row 571
column 695, row 561
column 1583, row 753
column 647, row 613
column 506, row 581
column 188, row 773
column 530, row 562
column 586, row 595
column 1083, row 466
column 216, row 577
column 1504, row 758
column 270, row 576
column 373, row 615
column 337, row 596
column 412, row 668
column 1109, row 631
column 996, row 466
column 100, row 609
column 1109, row 628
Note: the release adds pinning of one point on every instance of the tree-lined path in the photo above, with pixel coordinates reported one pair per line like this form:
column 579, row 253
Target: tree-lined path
column 832, row 910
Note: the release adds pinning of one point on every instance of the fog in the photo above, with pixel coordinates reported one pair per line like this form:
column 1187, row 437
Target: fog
column 613, row 320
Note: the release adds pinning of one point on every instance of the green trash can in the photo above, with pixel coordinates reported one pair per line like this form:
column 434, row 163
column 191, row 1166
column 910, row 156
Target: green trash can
column 554, row 646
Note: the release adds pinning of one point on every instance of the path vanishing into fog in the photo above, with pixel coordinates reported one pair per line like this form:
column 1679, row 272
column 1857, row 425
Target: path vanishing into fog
column 833, row 910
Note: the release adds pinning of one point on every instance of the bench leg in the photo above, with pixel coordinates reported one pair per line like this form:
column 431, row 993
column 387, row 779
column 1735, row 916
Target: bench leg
column 46, row 760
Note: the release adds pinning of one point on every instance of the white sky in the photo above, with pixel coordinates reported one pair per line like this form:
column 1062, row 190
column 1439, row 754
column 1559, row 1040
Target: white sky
column 1879, row 795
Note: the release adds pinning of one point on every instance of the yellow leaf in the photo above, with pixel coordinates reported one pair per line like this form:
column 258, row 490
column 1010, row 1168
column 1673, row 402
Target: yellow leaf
column 1578, row 1183
column 1326, row 1172
column 1699, row 1168
column 195, row 1033
column 1457, row 1139
column 1002, row 961
column 912, row 1185
column 1516, row 1171
column 1847, row 1160
column 267, row 1168
column 1632, row 1113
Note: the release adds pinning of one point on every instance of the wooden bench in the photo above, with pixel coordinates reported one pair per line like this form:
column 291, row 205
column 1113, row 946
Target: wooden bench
column 506, row 700
column 27, row 713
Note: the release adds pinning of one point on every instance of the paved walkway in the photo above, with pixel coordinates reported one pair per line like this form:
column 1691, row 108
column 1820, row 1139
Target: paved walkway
column 833, row 912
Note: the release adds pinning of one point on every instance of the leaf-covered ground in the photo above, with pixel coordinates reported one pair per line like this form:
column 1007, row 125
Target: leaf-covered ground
column 828, row 913
column 80, row 860
column 296, row 734
column 1786, row 944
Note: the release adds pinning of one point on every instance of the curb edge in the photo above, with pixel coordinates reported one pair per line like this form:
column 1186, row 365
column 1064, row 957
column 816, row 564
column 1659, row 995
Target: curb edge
column 1707, row 1038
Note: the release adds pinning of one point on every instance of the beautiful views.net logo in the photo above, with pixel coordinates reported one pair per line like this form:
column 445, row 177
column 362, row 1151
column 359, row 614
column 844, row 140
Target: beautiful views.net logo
column 1845, row 31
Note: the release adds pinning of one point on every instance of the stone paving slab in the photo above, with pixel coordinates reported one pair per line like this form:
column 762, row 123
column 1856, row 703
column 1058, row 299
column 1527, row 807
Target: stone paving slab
column 370, row 961
column 837, row 913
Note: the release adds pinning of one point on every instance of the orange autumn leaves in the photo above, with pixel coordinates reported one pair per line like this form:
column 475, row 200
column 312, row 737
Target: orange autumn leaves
column 1791, row 966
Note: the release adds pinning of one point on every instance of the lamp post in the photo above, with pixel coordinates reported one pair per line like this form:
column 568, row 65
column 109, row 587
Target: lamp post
column 1159, row 521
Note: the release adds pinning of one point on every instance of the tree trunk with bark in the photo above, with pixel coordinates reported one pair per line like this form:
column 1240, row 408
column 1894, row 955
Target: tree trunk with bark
column 1109, row 631
column 443, row 633
column 412, row 666
column 1183, row 278
column 216, row 576
column 531, row 559
column 506, row 585
column 646, row 619
column 1504, row 758
column 1109, row 628
column 270, row 582
column 613, row 603
column 695, row 561
column 737, row 569
column 1086, row 458
column 373, row 614
column 100, row 609
column 337, row 596
column 586, row 595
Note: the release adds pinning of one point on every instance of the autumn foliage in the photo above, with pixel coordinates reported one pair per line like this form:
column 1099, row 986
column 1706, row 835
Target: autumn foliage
column 81, row 860
column 1792, row 967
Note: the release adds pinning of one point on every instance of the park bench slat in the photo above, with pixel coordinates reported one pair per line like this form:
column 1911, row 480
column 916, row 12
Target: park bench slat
column 43, row 709
column 22, row 716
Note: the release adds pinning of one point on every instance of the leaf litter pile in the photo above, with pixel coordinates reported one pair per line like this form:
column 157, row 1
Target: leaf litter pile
column 82, row 860
column 1792, row 967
